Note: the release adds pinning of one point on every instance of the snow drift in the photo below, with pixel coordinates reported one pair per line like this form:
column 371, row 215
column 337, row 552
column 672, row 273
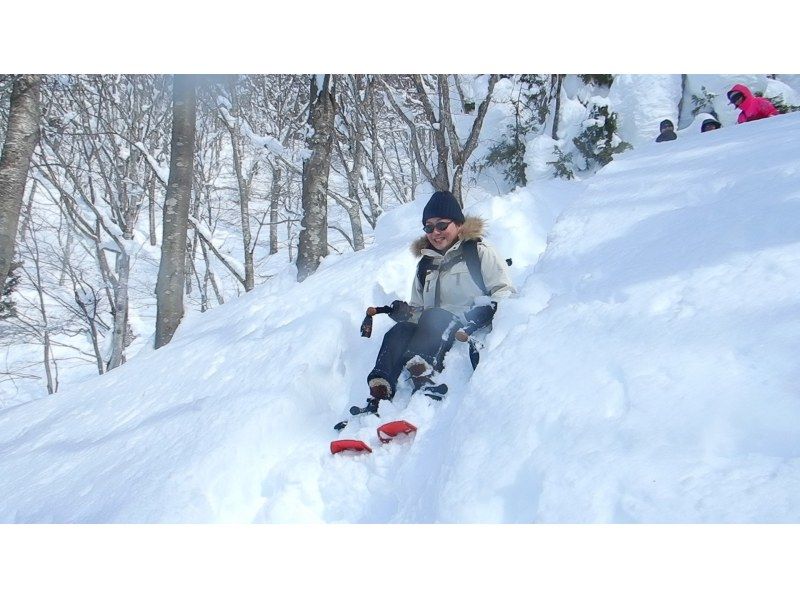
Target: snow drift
column 646, row 372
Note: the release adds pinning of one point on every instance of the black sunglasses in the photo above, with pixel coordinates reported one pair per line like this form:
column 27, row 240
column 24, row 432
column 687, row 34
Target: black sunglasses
column 440, row 226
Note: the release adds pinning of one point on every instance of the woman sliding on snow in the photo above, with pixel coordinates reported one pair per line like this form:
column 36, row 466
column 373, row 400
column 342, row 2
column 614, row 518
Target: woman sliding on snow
column 459, row 280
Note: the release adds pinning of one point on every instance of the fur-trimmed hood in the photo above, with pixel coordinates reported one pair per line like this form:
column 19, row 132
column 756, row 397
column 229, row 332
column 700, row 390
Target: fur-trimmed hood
column 473, row 228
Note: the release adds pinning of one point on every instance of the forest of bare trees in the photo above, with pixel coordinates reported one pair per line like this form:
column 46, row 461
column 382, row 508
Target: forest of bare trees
column 126, row 198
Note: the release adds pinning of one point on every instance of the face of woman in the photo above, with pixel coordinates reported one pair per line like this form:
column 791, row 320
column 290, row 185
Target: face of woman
column 442, row 240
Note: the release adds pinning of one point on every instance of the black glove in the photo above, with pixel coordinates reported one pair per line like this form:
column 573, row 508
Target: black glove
column 401, row 311
column 480, row 315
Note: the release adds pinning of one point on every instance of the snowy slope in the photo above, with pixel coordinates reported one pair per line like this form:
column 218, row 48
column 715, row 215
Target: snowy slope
column 646, row 372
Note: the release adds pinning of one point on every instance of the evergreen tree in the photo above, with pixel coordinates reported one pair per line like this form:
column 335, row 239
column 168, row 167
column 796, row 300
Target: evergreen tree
column 531, row 109
column 562, row 165
column 509, row 155
column 781, row 106
column 599, row 80
column 704, row 102
column 598, row 142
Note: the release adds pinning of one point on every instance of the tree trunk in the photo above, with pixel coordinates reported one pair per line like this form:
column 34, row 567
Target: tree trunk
column 120, row 327
column 201, row 288
column 354, row 174
column 684, row 82
column 458, row 173
column 354, row 213
column 244, row 183
column 52, row 381
column 89, row 311
column 208, row 277
column 20, row 141
column 36, row 279
column 376, row 205
column 151, row 210
column 244, row 214
column 313, row 244
column 67, row 251
column 172, row 269
column 274, row 203
column 28, row 212
column 558, row 80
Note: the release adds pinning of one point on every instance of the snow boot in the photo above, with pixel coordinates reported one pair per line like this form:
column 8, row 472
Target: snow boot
column 421, row 372
column 418, row 367
column 422, row 378
column 380, row 389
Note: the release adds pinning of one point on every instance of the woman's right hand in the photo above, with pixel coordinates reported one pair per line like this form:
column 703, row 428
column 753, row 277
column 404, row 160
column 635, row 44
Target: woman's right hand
column 401, row 311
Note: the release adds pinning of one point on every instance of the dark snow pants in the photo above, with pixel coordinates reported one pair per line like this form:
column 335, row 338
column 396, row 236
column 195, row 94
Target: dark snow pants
column 431, row 338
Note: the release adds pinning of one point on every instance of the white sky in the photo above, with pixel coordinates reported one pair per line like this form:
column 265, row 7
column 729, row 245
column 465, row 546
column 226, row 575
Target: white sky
column 369, row 36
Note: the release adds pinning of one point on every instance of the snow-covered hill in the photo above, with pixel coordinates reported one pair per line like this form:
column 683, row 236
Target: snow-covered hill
column 646, row 372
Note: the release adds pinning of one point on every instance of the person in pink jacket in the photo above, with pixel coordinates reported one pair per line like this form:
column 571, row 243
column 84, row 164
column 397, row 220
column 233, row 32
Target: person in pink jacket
column 752, row 107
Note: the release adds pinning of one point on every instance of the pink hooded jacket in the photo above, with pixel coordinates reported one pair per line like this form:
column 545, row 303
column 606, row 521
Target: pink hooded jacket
column 753, row 108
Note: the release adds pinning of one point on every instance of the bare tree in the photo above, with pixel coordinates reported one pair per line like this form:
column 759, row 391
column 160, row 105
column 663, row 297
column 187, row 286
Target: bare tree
column 370, row 118
column 20, row 141
column 94, row 144
column 245, row 171
column 423, row 120
column 392, row 162
column 105, row 159
column 47, row 315
column 45, row 335
column 459, row 152
column 424, row 104
column 209, row 145
column 262, row 119
column 279, row 110
column 313, row 234
column 172, row 269
column 352, row 152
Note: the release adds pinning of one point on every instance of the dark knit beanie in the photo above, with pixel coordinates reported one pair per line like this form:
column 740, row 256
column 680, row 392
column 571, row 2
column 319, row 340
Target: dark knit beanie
column 443, row 204
column 666, row 123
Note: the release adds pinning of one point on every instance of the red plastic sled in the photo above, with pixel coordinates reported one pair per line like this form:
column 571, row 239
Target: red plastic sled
column 389, row 430
column 337, row 446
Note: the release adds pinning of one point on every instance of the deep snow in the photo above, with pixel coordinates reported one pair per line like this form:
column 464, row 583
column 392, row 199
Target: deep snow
column 646, row 372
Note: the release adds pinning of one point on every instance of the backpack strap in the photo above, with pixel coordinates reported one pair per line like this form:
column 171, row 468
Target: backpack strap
column 470, row 249
column 423, row 267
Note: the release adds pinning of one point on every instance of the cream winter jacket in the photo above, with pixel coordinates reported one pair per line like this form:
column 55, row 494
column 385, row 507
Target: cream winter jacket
column 457, row 290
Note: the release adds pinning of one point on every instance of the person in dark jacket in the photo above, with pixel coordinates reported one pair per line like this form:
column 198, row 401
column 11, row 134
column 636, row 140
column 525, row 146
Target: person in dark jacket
column 752, row 107
column 667, row 131
column 443, row 303
column 710, row 124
